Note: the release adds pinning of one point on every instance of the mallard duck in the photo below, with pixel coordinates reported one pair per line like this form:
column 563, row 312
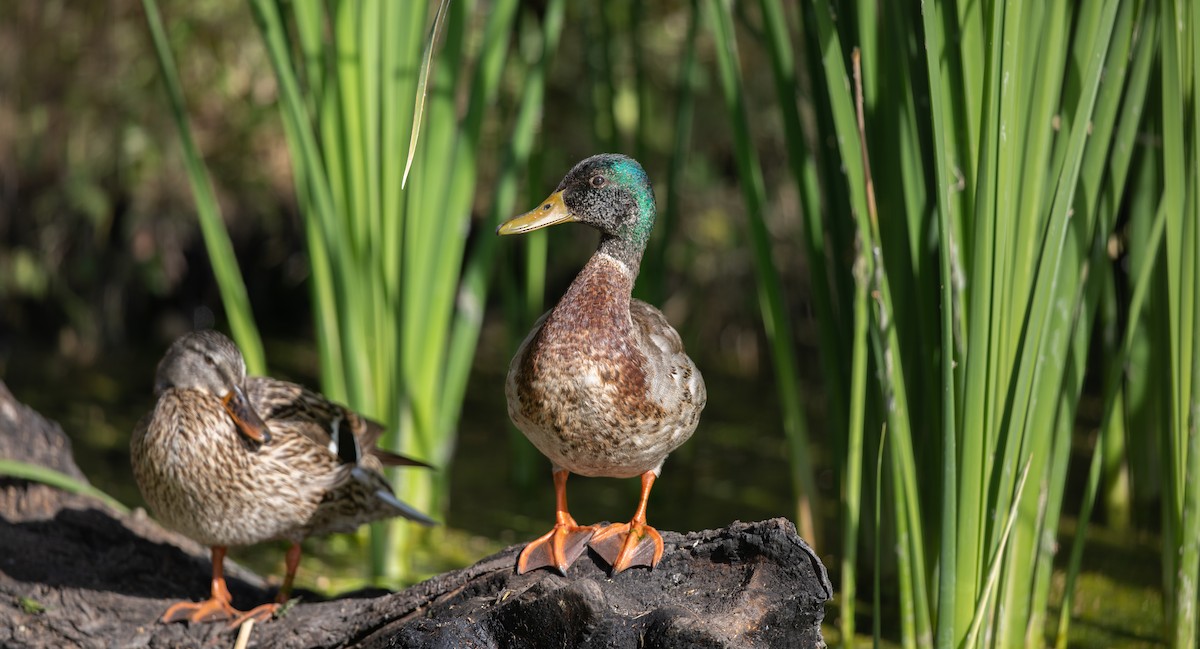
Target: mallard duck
column 231, row 460
column 602, row 386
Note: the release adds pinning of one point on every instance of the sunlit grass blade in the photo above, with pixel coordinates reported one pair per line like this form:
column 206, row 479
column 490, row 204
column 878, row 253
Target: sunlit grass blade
column 983, row 606
column 422, row 89
column 877, row 568
column 58, row 480
column 216, row 238
column 1182, row 455
column 852, row 468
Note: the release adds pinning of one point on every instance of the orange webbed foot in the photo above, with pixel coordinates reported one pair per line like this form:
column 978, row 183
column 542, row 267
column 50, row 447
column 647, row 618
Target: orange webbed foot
column 219, row 605
column 625, row 545
column 210, row 610
column 259, row 614
column 557, row 549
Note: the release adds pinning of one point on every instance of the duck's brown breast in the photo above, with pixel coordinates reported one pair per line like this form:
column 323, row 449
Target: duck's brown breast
column 205, row 480
column 585, row 386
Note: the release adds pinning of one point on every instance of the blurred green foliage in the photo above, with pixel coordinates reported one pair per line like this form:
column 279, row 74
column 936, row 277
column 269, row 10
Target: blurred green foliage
column 98, row 239
column 97, row 233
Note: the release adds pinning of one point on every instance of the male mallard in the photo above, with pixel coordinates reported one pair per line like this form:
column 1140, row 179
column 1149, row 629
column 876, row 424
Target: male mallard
column 228, row 459
column 602, row 386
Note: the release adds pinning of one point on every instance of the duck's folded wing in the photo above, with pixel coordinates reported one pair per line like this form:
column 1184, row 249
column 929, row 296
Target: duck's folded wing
column 674, row 380
column 288, row 408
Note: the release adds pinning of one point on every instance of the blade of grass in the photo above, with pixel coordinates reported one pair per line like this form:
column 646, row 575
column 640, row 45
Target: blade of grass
column 422, row 88
column 216, row 238
column 982, row 607
column 947, row 560
column 852, row 470
column 1183, row 245
column 876, row 606
column 58, row 480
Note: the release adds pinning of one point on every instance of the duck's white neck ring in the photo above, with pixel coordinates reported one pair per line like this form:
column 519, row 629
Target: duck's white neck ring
column 624, row 268
column 627, row 254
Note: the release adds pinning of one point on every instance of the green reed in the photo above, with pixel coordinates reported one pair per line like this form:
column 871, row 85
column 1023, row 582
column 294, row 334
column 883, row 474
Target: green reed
column 397, row 296
column 1000, row 136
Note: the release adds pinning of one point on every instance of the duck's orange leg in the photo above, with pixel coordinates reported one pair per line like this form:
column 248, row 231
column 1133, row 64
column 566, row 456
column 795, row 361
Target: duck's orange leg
column 264, row 612
column 624, row 545
column 217, row 607
column 561, row 546
column 293, row 562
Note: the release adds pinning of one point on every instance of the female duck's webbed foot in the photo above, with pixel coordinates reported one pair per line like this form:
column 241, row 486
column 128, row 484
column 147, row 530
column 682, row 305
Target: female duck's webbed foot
column 215, row 608
column 267, row 611
column 561, row 546
column 210, row 610
column 260, row 613
column 625, row 545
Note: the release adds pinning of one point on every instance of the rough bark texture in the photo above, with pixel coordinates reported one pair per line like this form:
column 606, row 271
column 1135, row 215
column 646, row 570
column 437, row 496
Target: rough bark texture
column 101, row 579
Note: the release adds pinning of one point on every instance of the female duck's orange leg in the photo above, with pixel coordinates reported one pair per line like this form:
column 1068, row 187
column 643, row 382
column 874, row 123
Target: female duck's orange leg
column 264, row 612
column 624, row 545
column 561, row 546
column 217, row 607
column 293, row 562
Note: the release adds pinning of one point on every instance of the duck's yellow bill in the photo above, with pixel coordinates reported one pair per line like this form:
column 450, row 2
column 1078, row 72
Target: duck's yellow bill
column 244, row 417
column 551, row 212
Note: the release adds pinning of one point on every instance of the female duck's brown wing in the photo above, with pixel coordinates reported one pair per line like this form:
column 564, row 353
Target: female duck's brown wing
column 344, row 432
column 293, row 411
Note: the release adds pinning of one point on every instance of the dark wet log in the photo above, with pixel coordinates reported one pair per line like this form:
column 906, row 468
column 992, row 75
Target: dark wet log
column 101, row 578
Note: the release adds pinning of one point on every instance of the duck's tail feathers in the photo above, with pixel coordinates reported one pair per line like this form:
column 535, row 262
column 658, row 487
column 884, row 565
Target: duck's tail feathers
column 406, row 510
column 374, row 481
column 388, row 458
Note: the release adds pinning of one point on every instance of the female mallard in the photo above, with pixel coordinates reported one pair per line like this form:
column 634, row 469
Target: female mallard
column 228, row 459
column 602, row 386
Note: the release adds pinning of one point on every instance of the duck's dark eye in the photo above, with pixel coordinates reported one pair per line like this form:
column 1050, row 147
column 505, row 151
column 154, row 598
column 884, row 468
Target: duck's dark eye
column 598, row 181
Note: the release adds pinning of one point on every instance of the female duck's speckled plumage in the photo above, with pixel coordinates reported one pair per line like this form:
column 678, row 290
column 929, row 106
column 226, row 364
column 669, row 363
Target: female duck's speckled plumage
column 602, row 386
column 227, row 459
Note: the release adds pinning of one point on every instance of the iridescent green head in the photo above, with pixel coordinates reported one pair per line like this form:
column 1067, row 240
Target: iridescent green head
column 610, row 192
